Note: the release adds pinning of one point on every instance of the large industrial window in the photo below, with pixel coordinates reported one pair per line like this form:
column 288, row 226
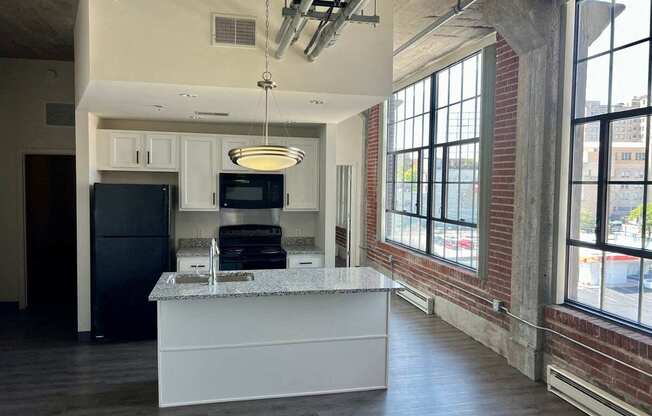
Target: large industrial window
column 432, row 164
column 609, row 250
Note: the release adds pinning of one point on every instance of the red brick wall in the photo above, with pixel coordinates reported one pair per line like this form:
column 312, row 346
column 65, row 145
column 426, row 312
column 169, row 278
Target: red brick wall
column 422, row 271
column 626, row 345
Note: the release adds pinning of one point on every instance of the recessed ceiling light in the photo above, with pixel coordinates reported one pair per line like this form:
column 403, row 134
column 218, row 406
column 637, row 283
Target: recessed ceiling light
column 188, row 95
column 158, row 107
column 317, row 101
column 195, row 117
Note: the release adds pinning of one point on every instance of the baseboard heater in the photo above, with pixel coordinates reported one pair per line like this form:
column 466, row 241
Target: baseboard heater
column 418, row 298
column 587, row 397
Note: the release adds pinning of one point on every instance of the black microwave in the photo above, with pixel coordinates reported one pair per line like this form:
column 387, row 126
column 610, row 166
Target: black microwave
column 251, row 190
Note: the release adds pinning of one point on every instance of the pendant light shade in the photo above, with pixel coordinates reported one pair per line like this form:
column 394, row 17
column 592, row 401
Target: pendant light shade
column 267, row 158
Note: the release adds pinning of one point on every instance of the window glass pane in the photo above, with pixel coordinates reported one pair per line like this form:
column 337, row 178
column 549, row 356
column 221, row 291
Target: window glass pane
column 583, row 215
column 423, row 209
column 418, row 98
column 442, row 122
column 438, row 235
column 646, row 303
column 400, row 105
column 470, row 77
column 454, row 116
column 594, row 31
column 423, row 234
column 455, row 83
column 439, row 163
column 450, row 242
column 426, row 129
column 414, row 232
column 630, row 72
column 425, row 165
column 453, row 172
column 409, row 133
column 584, row 275
column 627, row 146
column 409, row 101
column 400, row 135
column 465, row 244
column 418, row 131
column 467, row 163
column 586, row 152
column 592, row 87
column 426, row 94
column 624, row 215
column 442, row 88
column 452, row 201
column 436, row 200
column 468, row 119
column 632, row 23
column 467, row 198
column 622, row 275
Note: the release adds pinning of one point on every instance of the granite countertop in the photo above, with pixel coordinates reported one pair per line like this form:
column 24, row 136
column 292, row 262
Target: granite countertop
column 279, row 283
column 301, row 245
column 193, row 247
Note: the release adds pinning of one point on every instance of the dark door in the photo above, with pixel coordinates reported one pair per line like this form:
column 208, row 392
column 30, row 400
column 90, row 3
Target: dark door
column 51, row 254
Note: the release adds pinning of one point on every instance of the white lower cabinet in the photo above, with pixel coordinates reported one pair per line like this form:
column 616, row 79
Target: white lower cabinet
column 304, row 261
column 198, row 174
column 193, row 264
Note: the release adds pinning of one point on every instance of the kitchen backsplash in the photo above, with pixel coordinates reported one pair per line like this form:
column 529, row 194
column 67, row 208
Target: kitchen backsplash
column 299, row 241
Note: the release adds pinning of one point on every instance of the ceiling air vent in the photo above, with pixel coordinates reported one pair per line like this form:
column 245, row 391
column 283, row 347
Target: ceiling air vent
column 60, row 114
column 211, row 114
column 234, row 31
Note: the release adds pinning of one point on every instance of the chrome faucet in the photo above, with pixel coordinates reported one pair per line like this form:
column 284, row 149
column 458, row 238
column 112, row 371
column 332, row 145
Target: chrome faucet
column 212, row 270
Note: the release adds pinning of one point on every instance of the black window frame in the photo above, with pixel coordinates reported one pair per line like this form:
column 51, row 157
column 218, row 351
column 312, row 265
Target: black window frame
column 431, row 147
column 603, row 181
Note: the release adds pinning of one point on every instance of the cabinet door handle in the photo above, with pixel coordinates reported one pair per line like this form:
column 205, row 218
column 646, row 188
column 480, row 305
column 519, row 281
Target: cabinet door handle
column 213, row 198
column 287, row 197
column 137, row 157
column 148, row 159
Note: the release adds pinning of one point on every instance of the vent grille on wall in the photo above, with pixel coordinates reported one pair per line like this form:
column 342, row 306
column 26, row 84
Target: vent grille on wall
column 234, row 31
column 60, row 114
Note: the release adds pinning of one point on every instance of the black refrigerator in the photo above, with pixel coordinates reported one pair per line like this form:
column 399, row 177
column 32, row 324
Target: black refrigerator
column 131, row 246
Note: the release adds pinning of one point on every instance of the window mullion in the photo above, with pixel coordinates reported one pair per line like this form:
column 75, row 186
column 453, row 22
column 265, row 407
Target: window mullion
column 431, row 161
column 603, row 176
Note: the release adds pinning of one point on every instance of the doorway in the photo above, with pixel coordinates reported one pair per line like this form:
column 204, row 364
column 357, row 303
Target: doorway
column 50, row 237
column 343, row 216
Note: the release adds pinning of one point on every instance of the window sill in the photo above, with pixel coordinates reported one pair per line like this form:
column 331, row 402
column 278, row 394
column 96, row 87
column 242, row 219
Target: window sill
column 598, row 326
column 426, row 259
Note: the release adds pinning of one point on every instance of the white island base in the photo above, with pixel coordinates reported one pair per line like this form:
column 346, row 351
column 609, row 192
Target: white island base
column 243, row 348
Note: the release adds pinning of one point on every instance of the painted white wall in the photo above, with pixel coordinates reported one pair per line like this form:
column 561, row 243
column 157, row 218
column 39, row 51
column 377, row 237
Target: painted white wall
column 133, row 54
column 325, row 236
column 25, row 87
column 350, row 151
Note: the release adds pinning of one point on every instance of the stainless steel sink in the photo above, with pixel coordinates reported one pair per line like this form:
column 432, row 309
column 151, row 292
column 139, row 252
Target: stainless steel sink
column 194, row 278
column 184, row 278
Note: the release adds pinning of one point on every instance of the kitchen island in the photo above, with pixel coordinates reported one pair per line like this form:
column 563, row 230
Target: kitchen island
column 285, row 333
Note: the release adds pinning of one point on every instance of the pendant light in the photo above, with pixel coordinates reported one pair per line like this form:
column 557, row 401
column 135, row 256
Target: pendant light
column 266, row 157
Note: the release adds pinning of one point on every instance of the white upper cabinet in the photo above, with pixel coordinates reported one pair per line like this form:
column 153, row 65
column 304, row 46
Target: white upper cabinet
column 126, row 149
column 198, row 174
column 161, row 151
column 302, row 180
column 233, row 142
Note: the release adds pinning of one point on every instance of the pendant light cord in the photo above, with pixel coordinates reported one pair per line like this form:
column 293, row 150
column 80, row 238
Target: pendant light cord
column 267, row 76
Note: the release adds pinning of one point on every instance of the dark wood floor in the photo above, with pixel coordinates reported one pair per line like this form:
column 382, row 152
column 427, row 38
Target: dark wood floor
column 434, row 370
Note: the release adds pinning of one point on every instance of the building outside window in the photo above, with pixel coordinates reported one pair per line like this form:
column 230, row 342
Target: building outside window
column 432, row 164
column 609, row 240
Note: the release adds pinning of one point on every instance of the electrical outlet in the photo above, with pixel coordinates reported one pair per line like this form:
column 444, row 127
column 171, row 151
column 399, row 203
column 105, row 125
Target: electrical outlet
column 297, row 232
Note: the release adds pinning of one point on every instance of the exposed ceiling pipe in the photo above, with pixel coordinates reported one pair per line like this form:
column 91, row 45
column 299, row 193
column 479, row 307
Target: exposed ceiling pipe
column 283, row 29
column 440, row 21
column 293, row 26
column 330, row 32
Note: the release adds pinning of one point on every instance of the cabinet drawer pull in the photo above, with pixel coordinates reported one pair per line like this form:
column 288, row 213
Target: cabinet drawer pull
column 137, row 157
column 197, row 266
column 305, row 262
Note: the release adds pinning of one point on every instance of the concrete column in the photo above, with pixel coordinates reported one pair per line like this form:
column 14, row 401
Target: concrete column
column 532, row 28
